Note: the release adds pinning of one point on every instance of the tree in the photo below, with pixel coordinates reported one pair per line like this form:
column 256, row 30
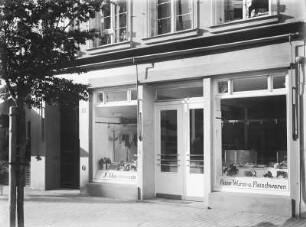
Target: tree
column 39, row 40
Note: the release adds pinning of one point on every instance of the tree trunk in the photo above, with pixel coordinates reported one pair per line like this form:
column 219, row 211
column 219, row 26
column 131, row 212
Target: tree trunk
column 21, row 161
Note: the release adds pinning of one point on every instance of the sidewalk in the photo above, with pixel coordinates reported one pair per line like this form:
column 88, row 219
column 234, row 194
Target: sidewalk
column 69, row 208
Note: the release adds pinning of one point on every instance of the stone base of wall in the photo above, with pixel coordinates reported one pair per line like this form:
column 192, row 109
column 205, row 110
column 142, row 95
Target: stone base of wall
column 110, row 190
column 253, row 203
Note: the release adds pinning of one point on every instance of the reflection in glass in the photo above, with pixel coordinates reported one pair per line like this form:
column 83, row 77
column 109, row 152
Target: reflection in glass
column 183, row 14
column 254, row 137
column 164, row 17
column 279, row 82
column 250, row 84
column 223, row 87
column 169, row 155
column 116, row 96
column 179, row 93
column 196, row 141
column 115, row 144
column 233, row 10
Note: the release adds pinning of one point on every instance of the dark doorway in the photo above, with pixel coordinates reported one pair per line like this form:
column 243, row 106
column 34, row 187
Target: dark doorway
column 70, row 156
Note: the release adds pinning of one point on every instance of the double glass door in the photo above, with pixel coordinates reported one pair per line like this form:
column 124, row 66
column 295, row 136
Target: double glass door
column 179, row 150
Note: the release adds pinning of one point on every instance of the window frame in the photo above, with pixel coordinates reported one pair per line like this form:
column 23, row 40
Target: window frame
column 218, row 97
column 114, row 26
column 219, row 12
column 152, row 28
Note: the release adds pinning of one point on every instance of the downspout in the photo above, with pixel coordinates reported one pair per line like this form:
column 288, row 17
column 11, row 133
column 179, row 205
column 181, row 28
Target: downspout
column 301, row 61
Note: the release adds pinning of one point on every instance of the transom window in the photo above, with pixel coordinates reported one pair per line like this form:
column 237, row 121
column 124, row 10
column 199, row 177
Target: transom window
column 265, row 82
column 231, row 10
column 169, row 16
column 111, row 23
column 117, row 95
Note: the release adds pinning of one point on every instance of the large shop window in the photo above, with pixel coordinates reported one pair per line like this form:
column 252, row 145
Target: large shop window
column 168, row 16
column 115, row 137
column 232, row 10
column 254, row 143
column 111, row 23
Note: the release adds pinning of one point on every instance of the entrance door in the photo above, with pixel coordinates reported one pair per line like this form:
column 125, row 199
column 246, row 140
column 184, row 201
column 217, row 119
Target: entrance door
column 169, row 157
column 179, row 151
column 70, row 156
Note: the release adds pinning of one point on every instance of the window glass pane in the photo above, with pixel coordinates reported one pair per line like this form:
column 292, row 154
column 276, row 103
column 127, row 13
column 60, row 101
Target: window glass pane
column 133, row 94
column 116, row 96
column 183, row 22
column 122, row 20
column 164, row 26
column 105, row 39
column 122, row 36
column 179, row 93
column 163, row 1
column 115, row 144
column 106, row 22
column 169, row 155
column 164, row 10
column 279, row 82
column 249, row 84
column 106, row 9
column 257, row 8
column 183, row 7
column 121, row 6
column 233, row 10
column 196, row 141
column 254, row 137
column 100, row 97
column 223, row 87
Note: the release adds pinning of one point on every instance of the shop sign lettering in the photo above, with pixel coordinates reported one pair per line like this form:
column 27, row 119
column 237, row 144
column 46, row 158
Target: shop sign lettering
column 122, row 176
column 262, row 184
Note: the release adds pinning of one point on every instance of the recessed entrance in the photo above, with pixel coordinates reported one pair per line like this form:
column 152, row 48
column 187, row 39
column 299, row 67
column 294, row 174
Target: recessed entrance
column 179, row 150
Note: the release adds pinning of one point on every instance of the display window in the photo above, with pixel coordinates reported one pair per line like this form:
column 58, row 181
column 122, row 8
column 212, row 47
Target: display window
column 115, row 138
column 253, row 150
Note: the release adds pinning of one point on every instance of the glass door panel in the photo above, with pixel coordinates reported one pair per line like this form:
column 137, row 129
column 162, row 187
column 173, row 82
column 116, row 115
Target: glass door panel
column 194, row 170
column 196, row 156
column 168, row 141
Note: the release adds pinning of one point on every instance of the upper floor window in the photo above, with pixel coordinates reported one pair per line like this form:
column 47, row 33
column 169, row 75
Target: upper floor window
column 168, row 16
column 111, row 23
column 232, row 10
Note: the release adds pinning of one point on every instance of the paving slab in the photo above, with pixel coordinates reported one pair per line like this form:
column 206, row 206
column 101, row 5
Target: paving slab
column 69, row 208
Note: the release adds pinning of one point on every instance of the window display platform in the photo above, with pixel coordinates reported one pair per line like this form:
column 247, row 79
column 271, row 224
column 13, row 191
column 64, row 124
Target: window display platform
column 113, row 190
column 253, row 203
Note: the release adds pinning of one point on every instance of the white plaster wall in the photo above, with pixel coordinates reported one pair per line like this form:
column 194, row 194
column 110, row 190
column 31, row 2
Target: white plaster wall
column 147, row 145
column 85, row 136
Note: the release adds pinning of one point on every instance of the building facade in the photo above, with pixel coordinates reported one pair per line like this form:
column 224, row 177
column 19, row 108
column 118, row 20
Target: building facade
column 197, row 100
column 190, row 99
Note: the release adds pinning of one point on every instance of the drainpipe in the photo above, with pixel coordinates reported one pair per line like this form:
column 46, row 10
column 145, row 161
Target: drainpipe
column 301, row 61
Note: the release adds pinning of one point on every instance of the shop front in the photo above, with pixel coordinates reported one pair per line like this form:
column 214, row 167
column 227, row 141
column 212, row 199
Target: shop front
column 253, row 142
column 114, row 143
